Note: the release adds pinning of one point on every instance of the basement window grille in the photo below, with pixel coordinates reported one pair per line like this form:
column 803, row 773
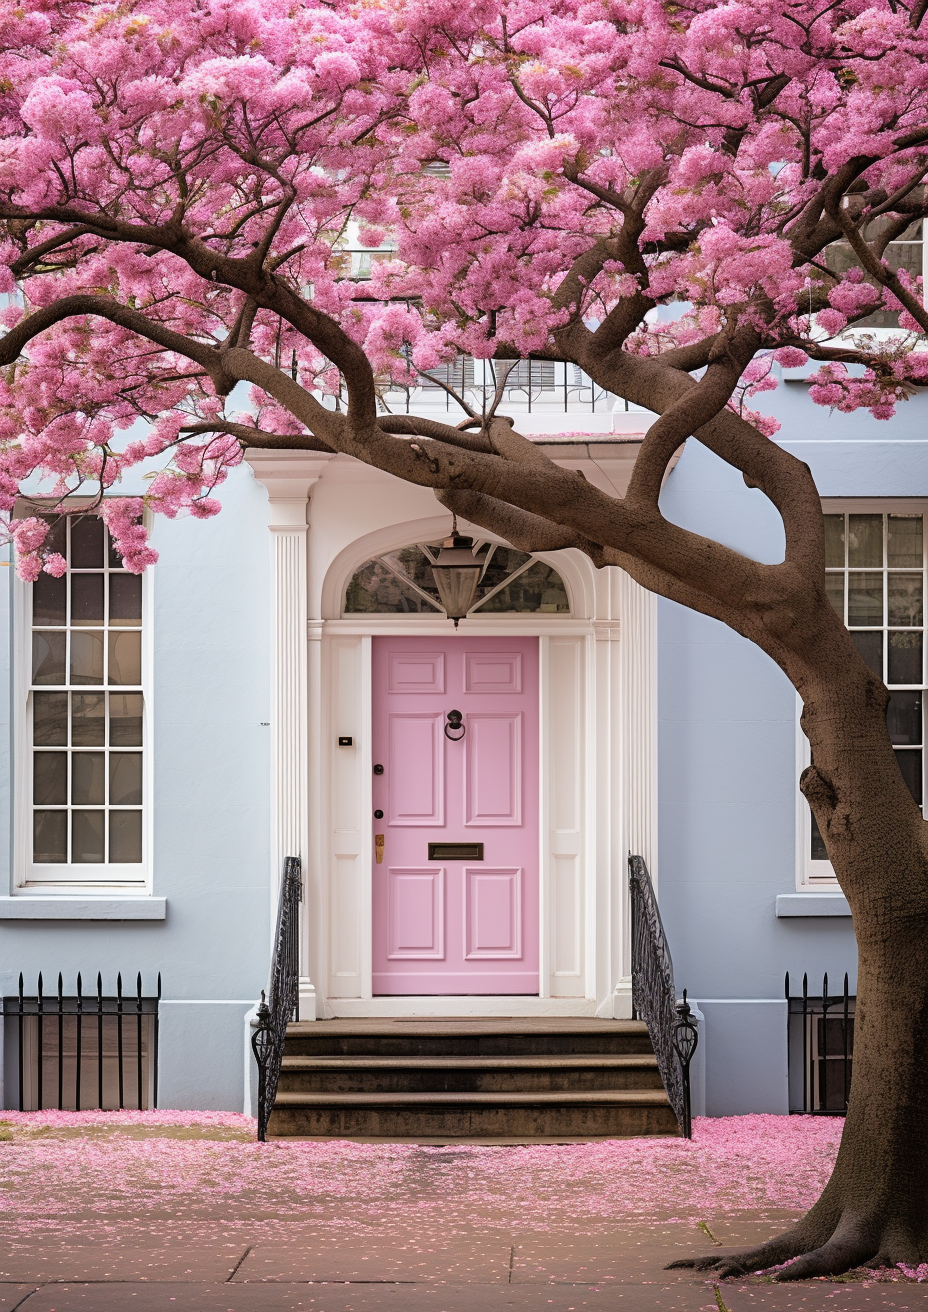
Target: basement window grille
column 80, row 1051
column 820, row 1046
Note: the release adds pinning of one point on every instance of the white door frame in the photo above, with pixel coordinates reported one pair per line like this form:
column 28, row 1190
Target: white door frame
column 598, row 758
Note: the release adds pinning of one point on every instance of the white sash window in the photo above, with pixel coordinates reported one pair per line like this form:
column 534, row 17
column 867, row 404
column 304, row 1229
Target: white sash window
column 84, row 793
column 875, row 567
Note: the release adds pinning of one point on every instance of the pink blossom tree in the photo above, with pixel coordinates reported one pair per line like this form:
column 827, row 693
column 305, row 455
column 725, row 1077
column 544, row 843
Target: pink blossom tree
column 176, row 181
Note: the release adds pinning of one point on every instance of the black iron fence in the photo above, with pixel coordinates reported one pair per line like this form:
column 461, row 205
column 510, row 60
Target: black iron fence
column 283, row 993
column 821, row 1048
column 84, row 1051
column 674, row 1034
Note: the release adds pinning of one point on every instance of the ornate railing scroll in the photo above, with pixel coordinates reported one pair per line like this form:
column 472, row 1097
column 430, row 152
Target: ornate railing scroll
column 654, row 997
column 283, row 993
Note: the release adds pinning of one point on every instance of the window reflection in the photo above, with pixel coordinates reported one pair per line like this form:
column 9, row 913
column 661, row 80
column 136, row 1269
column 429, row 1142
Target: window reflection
column 401, row 582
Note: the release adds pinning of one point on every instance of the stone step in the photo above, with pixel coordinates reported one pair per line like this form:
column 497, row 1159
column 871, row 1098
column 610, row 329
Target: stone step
column 587, row 1114
column 442, row 1037
column 552, row 1073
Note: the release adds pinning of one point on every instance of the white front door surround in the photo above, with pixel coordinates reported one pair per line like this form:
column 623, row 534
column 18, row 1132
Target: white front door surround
column 327, row 516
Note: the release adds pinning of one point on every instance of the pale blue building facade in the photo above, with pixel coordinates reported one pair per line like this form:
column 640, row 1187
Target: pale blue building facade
column 661, row 733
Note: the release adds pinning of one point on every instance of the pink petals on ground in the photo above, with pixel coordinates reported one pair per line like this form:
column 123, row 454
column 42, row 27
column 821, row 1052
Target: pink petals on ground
column 47, row 1169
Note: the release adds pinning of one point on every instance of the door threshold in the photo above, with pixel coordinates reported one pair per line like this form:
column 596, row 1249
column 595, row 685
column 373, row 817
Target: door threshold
column 457, row 1007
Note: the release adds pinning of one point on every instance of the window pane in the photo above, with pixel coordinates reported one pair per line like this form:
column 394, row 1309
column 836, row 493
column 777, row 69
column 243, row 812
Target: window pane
column 905, row 657
column 125, row 600
column 503, row 562
column 48, row 657
column 904, row 540
column 865, row 540
column 904, row 718
column 125, row 778
column 88, row 723
column 57, row 539
column 125, row 658
column 50, row 778
column 50, row 836
column 834, row 588
column 864, row 599
column 87, row 778
column 539, row 588
column 413, row 562
column 905, row 600
column 910, row 763
column 87, row 543
column 870, row 646
column 48, row 600
column 86, row 598
column 125, row 836
column 50, row 719
column 113, row 556
column 818, row 843
column 376, row 588
column 125, row 719
column 87, row 836
column 834, row 541
column 86, row 656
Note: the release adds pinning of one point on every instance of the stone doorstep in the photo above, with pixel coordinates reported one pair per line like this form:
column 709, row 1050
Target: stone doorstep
column 540, row 1061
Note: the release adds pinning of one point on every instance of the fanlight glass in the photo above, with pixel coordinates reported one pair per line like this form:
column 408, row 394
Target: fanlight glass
column 402, row 582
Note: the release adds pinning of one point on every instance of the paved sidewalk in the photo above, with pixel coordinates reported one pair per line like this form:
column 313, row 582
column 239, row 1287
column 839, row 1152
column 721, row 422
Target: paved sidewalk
column 174, row 1212
column 300, row 1268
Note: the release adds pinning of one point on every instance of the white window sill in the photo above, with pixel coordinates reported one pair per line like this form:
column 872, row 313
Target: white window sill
column 812, row 904
column 71, row 907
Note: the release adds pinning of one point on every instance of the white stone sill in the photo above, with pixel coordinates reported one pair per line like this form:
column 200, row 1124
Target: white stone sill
column 812, row 904
column 71, row 907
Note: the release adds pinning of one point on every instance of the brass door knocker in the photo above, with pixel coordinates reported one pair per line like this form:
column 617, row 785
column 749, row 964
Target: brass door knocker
column 453, row 724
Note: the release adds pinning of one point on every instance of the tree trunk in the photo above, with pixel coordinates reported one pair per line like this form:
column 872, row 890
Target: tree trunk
column 874, row 1209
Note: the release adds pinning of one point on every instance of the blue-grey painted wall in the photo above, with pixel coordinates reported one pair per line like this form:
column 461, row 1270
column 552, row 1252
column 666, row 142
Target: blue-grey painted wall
column 210, row 708
column 727, row 757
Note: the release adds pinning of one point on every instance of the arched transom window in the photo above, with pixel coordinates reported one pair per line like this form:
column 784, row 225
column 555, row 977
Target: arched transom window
column 401, row 582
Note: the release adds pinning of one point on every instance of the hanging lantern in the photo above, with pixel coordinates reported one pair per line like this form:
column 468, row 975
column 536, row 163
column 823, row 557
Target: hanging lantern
column 457, row 573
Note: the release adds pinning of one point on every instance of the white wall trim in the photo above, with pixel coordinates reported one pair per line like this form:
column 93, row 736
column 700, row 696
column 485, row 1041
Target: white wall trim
column 289, row 479
column 99, row 906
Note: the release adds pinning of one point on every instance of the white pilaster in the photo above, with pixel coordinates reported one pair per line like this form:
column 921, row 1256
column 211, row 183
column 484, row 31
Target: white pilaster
column 289, row 478
column 627, row 671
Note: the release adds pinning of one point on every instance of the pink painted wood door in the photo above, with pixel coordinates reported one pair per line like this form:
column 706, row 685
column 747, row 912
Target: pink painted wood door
column 442, row 923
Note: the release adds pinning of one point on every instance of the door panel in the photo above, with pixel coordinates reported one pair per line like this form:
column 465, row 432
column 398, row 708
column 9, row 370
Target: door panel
column 490, row 672
column 416, row 914
column 493, row 913
column 456, row 926
column 412, row 672
column 415, row 776
column 493, row 748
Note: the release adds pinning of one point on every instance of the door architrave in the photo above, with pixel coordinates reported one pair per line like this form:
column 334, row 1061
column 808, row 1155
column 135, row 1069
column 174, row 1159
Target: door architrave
column 585, row 646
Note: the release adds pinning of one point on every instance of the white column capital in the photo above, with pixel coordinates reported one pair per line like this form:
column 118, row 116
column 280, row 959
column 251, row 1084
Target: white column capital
column 289, row 477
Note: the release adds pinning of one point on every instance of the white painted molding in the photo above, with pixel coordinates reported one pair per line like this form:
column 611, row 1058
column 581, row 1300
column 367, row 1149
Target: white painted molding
column 97, row 907
column 289, row 478
column 812, row 904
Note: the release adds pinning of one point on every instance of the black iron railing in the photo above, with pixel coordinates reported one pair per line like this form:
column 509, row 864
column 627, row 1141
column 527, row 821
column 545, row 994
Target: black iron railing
column 821, row 1035
column 85, row 1051
column 283, row 993
column 673, row 1033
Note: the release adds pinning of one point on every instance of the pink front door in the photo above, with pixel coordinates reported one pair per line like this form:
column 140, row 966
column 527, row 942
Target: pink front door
column 456, row 889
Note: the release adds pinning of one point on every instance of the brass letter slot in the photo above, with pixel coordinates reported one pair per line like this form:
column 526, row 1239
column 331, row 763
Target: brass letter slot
column 455, row 851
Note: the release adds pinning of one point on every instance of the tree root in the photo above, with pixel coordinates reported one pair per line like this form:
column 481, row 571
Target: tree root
column 851, row 1245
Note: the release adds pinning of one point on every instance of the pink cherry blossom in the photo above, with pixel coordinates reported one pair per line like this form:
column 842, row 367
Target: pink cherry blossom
column 156, row 159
